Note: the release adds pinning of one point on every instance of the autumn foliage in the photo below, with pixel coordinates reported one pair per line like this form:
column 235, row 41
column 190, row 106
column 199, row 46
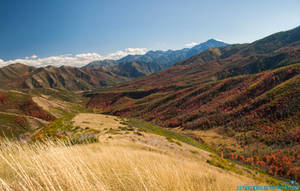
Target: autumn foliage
column 276, row 164
column 263, row 107
column 21, row 121
column 31, row 109
column 3, row 99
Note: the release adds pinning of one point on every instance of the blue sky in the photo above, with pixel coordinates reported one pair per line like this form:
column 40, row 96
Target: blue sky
column 58, row 28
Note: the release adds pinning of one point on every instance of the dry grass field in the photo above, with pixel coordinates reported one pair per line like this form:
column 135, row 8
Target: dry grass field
column 110, row 166
column 125, row 157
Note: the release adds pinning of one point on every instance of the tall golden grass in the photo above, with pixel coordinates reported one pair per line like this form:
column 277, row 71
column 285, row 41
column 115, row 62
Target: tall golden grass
column 49, row 166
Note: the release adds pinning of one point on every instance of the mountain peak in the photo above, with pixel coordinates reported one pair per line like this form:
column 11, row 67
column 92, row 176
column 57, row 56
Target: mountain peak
column 214, row 40
column 209, row 44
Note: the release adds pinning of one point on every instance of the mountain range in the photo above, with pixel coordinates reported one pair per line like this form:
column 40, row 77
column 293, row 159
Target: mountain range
column 98, row 73
column 152, row 61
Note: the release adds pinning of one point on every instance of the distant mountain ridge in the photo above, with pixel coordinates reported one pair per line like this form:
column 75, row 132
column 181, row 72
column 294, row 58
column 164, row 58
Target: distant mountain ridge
column 18, row 75
column 170, row 57
column 152, row 61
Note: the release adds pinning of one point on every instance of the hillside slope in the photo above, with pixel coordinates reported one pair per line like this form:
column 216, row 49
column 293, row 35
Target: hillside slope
column 246, row 92
column 23, row 112
column 70, row 78
column 19, row 114
column 127, row 157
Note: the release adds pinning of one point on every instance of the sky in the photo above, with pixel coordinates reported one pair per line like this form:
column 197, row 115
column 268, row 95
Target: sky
column 75, row 32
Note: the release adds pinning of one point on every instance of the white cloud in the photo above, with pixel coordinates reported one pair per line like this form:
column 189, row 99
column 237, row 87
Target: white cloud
column 77, row 60
column 67, row 60
column 191, row 44
column 128, row 51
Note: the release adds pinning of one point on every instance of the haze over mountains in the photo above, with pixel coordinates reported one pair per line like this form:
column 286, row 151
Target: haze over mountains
column 97, row 73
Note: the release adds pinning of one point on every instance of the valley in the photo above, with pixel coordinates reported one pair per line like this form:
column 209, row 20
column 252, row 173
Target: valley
column 126, row 149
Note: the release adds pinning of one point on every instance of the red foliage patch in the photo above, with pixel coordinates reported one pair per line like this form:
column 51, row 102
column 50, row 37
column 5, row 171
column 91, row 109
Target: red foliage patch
column 31, row 109
column 174, row 123
column 276, row 164
column 21, row 121
column 3, row 99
